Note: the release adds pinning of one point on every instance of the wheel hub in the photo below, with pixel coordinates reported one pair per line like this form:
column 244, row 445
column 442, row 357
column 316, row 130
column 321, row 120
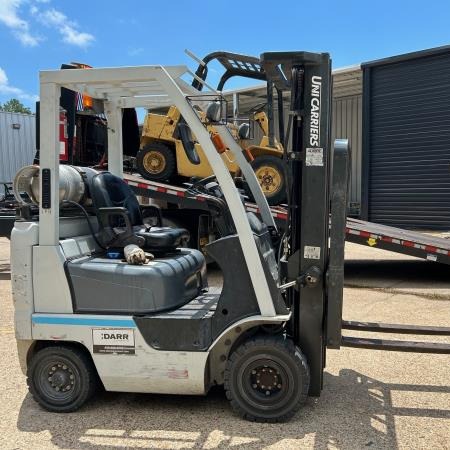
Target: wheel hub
column 154, row 162
column 60, row 377
column 269, row 179
column 266, row 380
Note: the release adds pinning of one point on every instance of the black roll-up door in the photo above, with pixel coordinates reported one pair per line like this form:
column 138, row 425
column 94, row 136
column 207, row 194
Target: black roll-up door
column 407, row 125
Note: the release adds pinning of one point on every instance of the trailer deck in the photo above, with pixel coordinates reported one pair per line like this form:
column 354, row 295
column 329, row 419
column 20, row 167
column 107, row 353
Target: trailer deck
column 412, row 243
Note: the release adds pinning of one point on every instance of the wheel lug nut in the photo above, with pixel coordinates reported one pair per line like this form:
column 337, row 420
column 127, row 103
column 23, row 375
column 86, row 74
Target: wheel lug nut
column 263, row 386
column 253, row 372
column 71, row 377
column 279, row 386
column 254, row 386
column 64, row 367
column 49, row 378
column 53, row 368
column 267, row 393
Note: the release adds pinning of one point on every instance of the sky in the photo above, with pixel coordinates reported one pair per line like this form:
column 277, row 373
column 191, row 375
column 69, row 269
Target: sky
column 42, row 34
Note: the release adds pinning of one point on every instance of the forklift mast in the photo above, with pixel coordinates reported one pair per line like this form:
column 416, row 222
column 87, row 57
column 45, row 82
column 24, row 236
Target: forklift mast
column 307, row 76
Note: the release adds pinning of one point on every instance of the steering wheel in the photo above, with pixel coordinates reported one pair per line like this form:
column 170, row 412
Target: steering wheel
column 200, row 185
column 188, row 144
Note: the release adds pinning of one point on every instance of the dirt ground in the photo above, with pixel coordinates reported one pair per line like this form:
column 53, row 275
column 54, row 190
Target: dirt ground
column 370, row 398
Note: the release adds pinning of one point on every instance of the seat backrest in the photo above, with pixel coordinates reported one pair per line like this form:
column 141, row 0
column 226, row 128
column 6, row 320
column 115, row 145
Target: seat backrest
column 108, row 190
column 244, row 131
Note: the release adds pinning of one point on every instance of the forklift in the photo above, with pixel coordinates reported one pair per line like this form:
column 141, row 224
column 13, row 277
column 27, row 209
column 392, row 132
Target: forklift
column 86, row 317
column 166, row 139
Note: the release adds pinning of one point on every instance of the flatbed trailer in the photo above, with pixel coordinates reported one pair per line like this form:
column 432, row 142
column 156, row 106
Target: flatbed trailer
column 407, row 242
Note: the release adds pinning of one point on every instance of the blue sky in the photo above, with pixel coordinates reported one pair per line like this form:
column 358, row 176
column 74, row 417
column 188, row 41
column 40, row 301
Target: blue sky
column 41, row 34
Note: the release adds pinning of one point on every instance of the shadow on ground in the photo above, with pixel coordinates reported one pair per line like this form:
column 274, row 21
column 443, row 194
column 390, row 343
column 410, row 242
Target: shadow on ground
column 353, row 412
column 5, row 271
column 418, row 274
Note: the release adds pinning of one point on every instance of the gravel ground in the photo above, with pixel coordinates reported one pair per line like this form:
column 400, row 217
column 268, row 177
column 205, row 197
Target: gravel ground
column 370, row 399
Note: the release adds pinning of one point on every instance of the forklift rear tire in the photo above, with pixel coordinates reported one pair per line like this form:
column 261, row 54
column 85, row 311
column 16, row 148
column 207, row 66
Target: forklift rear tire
column 269, row 171
column 156, row 161
column 267, row 379
column 61, row 378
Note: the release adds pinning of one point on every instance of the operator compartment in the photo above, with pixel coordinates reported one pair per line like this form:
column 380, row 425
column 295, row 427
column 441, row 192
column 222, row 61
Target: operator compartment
column 99, row 278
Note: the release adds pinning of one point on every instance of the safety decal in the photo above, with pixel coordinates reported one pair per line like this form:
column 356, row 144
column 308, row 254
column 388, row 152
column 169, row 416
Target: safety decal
column 372, row 241
column 310, row 252
column 314, row 157
column 118, row 341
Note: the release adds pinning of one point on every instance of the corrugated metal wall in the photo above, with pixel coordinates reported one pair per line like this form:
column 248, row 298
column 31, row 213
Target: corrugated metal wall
column 407, row 112
column 347, row 124
column 17, row 143
column 346, row 121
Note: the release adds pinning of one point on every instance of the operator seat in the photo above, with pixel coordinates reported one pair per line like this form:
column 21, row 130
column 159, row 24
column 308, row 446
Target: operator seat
column 121, row 221
column 109, row 285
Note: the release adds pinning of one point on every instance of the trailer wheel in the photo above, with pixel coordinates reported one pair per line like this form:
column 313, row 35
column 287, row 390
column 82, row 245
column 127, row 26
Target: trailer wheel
column 267, row 379
column 156, row 161
column 269, row 171
column 61, row 379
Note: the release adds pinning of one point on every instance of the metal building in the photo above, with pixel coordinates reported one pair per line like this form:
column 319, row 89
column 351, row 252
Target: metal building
column 346, row 119
column 17, row 144
column 406, row 140
column 346, row 123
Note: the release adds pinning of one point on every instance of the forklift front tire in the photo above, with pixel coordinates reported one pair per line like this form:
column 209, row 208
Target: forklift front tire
column 267, row 379
column 156, row 161
column 61, row 378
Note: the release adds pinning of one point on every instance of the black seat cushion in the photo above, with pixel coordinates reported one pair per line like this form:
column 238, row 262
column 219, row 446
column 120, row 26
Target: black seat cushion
column 162, row 238
column 108, row 190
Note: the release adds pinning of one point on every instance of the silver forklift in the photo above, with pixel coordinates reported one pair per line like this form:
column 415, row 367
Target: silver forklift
column 85, row 317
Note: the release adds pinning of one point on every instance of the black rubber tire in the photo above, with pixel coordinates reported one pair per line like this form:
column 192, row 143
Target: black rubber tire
column 286, row 360
column 166, row 152
column 275, row 163
column 78, row 365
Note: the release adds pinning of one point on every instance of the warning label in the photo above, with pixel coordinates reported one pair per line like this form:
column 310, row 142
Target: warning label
column 310, row 252
column 119, row 341
column 314, row 156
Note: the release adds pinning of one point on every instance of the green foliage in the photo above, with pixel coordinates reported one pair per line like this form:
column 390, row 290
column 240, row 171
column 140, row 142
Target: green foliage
column 14, row 105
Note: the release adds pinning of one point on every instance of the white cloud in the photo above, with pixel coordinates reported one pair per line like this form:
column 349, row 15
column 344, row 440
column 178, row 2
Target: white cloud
column 9, row 16
column 7, row 90
column 67, row 28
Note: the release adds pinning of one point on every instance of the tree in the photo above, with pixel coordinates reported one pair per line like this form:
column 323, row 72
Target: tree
column 14, row 105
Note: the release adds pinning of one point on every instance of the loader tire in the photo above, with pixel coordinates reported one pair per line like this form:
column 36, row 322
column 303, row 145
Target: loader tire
column 156, row 161
column 269, row 171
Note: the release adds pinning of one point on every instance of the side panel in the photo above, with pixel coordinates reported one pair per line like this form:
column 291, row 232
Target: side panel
column 133, row 367
column 51, row 289
column 187, row 169
column 23, row 237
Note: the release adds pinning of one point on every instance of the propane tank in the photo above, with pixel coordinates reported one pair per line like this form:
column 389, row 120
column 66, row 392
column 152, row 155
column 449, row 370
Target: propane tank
column 73, row 184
